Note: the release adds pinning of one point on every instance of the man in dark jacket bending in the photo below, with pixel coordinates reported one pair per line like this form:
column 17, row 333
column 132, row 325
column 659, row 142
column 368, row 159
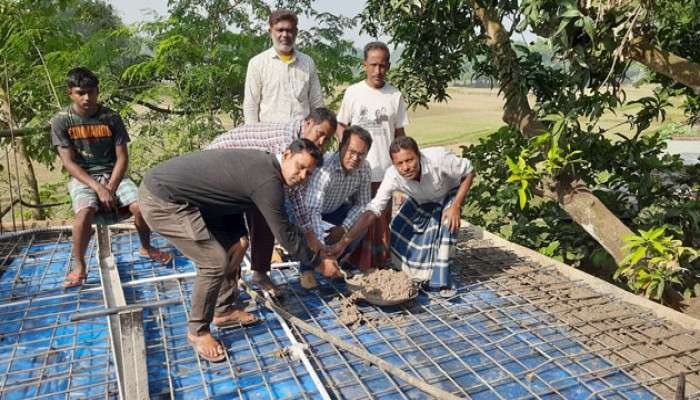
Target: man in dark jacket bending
column 197, row 202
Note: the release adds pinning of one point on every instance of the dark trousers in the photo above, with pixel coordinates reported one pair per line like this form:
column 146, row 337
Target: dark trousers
column 262, row 241
column 205, row 243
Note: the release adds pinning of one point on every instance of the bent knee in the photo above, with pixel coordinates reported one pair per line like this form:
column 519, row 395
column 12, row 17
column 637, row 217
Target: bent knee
column 134, row 209
column 84, row 216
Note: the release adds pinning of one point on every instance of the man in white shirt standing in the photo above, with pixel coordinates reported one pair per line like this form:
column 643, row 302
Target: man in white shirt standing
column 378, row 107
column 281, row 83
column 424, row 231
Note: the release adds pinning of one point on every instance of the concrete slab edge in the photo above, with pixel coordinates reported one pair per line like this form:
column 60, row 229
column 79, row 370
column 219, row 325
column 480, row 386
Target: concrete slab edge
column 596, row 284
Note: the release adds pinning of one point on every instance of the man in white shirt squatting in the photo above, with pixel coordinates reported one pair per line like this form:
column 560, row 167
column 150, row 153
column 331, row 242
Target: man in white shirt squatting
column 424, row 232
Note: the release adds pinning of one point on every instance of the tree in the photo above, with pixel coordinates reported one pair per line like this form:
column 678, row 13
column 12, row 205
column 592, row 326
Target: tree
column 195, row 72
column 596, row 41
column 39, row 40
column 174, row 80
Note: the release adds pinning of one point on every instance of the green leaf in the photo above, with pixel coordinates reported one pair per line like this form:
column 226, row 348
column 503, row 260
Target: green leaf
column 637, row 255
column 571, row 13
column 522, row 196
column 598, row 257
column 655, row 233
column 660, row 290
column 659, row 247
column 511, row 165
column 649, row 290
column 513, row 178
column 588, row 27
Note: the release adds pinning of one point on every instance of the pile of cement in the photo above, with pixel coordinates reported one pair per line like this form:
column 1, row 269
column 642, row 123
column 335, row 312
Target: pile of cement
column 349, row 314
column 383, row 286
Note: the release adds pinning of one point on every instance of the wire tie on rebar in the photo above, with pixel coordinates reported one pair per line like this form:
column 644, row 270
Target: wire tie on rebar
column 296, row 351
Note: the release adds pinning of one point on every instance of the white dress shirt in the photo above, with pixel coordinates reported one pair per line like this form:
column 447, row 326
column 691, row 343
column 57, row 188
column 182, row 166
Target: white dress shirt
column 441, row 171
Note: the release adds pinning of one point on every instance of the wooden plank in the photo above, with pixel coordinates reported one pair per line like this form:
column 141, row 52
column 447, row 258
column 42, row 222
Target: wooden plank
column 125, row 328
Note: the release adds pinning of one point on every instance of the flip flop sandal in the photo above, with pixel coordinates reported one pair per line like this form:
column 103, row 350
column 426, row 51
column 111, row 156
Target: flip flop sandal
column 237, row 323
column 216, row 359
column 73, row 280
column 158, row 256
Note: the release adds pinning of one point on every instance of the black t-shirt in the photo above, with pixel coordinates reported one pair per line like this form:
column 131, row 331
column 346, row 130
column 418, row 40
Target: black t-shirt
column 94, row 138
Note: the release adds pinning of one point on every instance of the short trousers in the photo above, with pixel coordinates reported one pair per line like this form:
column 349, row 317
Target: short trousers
column 83, row 197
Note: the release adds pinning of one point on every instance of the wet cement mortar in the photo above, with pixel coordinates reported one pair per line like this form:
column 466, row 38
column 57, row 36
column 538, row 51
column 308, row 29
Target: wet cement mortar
column 376, row 286
column 651, row 350
column 635, row 341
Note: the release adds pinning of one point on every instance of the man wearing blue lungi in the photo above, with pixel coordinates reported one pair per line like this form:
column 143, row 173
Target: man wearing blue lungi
column 424, row 231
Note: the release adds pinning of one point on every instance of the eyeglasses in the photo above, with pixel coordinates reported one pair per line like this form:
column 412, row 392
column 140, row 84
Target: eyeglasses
column 353, row 154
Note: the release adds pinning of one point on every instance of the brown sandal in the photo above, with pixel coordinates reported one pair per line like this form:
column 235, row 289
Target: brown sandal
column 236, row 319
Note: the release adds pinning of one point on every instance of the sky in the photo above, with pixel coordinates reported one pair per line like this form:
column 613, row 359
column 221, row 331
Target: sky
column 137, row 10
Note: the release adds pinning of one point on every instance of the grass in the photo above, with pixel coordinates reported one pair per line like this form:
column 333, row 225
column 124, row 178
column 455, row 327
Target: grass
column 470, row 114
column 474, row 113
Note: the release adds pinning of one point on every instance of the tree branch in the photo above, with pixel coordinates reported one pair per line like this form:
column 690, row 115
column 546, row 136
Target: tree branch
column 148, row 105
column 664, row 62
column 7, row 133
column 517, row 111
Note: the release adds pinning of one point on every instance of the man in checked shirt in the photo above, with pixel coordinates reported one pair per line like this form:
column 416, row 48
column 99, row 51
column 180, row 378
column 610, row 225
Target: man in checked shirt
column 338, row 193
column 318, row 126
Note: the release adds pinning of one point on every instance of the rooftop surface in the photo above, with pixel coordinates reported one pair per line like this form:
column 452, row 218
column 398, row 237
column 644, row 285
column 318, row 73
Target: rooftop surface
column 520, row 327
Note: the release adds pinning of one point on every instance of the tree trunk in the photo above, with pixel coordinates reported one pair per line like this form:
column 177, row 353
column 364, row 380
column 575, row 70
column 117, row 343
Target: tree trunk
column 517, row 111
column 26, row 166
column 582, row 205
column 30, row 177
column 593, row 216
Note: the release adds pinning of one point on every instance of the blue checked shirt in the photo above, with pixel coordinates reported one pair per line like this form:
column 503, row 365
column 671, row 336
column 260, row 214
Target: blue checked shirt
column 329, row 188
column 274, row 138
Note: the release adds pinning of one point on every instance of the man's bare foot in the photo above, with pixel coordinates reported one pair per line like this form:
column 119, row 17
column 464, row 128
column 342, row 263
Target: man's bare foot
column 207, row 347
column 236, row 319
column 265, row 283
column 156, row 255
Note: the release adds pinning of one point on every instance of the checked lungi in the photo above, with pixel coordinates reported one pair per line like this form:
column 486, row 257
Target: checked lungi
column 83, row 197
column 421, row 245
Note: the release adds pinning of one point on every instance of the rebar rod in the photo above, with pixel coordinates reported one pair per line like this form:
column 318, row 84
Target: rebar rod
column 363, row 354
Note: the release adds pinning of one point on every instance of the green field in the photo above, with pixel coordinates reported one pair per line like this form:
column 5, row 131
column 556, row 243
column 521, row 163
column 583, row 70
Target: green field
column 473, row 113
